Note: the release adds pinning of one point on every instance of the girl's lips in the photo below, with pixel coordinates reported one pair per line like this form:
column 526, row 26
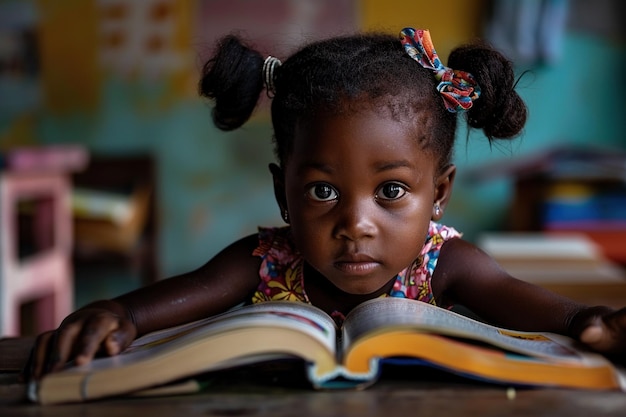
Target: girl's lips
column 356, row 264
column 356, row 268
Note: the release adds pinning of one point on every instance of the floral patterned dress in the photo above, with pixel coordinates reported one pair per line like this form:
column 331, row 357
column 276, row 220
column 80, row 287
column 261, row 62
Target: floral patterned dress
column 281, row 267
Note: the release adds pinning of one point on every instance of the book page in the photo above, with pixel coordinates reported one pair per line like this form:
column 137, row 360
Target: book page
column 385, row 314
column 302, row 316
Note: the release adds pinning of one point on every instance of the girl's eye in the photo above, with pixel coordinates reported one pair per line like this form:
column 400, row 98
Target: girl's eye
column 391, row 191
column 322, row 192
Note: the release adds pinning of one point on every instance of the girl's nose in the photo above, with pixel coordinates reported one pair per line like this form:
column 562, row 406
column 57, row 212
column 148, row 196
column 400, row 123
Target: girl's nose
column 355, row 220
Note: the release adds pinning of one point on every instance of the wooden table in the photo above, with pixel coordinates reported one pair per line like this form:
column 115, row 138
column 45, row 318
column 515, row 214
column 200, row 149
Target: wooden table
column 428, row 394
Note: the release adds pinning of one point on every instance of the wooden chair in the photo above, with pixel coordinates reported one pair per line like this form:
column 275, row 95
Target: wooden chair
column 35, row 250
column 131, row 241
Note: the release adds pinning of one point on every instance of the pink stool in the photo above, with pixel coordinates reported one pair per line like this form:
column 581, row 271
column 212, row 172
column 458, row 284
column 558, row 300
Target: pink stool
column 44, row 277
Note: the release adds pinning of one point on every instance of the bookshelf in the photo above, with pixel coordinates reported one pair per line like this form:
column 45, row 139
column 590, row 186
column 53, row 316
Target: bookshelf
column 568, row 190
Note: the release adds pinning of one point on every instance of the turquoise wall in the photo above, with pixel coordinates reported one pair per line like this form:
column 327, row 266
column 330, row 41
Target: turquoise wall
column 214, row 187
column 575, row 100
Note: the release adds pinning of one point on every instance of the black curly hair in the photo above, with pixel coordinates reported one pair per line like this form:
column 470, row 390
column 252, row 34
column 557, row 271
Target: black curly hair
column 349, row 72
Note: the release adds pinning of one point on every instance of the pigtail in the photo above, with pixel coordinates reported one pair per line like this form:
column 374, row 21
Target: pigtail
column 500, row 112
column 233, row 79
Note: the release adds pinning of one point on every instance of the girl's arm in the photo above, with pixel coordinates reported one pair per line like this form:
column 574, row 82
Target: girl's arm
column 109, row 326
column 468, row 276
column 226, row 280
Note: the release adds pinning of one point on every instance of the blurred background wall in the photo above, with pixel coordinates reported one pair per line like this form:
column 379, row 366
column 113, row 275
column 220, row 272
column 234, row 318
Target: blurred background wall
column 119, row 77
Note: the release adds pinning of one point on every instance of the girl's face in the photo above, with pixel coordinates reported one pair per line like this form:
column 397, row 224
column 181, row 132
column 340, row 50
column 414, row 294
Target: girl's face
column 360, row 193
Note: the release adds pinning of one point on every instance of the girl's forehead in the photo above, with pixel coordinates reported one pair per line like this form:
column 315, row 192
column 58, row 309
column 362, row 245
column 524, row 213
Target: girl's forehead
column 368, row 136
column 357, row 129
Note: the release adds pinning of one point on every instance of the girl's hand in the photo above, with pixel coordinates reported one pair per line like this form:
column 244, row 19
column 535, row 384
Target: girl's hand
column 606, row 333
column 80, row 337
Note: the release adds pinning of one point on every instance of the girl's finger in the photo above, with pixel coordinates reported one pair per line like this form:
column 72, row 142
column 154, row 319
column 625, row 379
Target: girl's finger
column 616, row 324
column 121, row 338
column 92, row 337
column 36, row 360
column 62, row 345
column 595, row 336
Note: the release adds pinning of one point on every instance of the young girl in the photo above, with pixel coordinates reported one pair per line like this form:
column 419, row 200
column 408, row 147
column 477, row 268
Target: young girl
column 364, row 130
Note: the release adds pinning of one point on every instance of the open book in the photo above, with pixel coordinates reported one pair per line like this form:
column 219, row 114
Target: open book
column 379, row 329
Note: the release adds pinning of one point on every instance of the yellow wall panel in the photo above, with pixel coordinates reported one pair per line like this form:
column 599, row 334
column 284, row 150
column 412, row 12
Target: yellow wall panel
column 185, row 80
column 451, row 23
column 68, row 42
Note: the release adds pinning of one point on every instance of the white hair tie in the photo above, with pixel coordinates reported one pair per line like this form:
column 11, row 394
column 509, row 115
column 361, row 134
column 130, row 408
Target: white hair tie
column 269, row 66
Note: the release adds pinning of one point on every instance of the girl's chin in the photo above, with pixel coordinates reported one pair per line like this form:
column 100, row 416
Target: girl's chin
column 351, row 286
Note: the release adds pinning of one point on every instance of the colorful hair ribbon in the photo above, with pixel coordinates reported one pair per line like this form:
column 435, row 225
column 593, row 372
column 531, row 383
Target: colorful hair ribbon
column 458, row 88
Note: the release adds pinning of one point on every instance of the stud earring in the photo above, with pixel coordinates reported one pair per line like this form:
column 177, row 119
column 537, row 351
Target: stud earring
column 286, row 216
column 437, row 209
